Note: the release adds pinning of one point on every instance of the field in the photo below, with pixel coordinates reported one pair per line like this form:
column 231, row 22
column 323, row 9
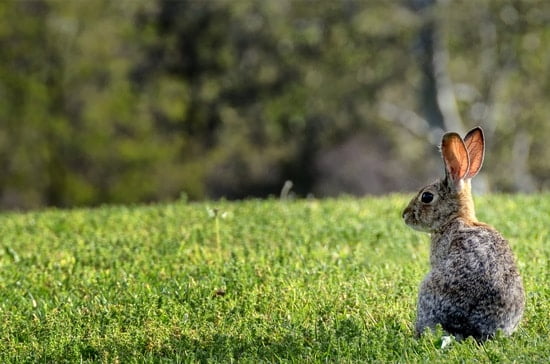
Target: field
column 297, row 281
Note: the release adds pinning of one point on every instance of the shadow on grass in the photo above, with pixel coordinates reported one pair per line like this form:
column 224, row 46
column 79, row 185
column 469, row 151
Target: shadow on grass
column 345, row 338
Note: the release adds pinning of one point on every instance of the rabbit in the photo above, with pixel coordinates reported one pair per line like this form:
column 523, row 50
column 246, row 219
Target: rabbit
column 473, row 288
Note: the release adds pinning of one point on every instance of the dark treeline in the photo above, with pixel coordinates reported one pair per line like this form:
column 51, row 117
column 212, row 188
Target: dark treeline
column 140, row 100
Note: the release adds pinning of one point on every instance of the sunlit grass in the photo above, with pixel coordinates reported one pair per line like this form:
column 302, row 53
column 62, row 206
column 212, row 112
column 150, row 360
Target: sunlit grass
column 303, row 281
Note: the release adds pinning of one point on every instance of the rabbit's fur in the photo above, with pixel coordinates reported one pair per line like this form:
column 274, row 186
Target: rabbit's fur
column 473, row 288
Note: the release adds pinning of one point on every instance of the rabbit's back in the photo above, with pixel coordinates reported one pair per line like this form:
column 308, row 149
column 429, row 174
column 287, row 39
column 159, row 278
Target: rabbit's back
column 474, row 287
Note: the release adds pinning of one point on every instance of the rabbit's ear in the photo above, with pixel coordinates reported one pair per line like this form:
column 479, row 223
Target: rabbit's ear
column 455, row 156
column 475, row 144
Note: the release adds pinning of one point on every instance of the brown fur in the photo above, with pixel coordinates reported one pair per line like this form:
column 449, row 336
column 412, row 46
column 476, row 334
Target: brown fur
column 473, row 288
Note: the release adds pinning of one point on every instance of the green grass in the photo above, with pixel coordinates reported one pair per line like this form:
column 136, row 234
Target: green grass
column 302, row 281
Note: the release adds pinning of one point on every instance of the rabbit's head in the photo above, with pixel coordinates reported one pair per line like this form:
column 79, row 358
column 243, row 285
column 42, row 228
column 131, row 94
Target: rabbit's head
column 450, row 197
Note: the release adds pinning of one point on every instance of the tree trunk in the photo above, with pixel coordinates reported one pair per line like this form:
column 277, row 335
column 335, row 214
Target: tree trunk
column 437, row 99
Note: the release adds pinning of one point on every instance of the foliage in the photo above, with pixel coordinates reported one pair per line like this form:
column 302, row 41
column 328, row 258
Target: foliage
column 309, row 280
column 137, row 101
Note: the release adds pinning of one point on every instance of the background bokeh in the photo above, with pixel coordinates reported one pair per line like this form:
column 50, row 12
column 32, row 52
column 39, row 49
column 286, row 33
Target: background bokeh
column 137, row 101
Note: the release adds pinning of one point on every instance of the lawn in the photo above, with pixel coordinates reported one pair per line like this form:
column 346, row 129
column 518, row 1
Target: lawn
column 297, row 281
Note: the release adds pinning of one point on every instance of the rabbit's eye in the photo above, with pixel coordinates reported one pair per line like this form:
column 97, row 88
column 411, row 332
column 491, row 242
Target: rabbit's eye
column 427, row 197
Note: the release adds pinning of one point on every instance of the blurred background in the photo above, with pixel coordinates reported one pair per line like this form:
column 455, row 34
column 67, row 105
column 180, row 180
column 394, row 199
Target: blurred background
column 137, row 101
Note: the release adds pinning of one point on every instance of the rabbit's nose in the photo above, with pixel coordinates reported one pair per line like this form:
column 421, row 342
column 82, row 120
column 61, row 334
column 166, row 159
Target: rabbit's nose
column 405, row 213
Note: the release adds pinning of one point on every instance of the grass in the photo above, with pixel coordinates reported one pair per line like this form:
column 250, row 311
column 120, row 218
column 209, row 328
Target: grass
column 296, row 281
